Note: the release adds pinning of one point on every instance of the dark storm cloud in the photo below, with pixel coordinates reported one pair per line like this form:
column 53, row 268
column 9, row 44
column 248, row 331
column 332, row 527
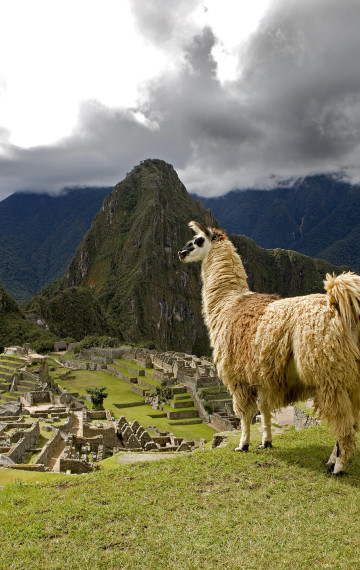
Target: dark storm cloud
column 294, row 109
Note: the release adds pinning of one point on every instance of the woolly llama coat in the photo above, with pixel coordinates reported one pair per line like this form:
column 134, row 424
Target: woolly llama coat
column 271, row 351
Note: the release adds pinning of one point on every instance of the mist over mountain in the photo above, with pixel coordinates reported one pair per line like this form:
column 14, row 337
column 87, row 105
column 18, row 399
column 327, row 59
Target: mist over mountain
column 39, row 234
column 318, row 216
column 128, row 263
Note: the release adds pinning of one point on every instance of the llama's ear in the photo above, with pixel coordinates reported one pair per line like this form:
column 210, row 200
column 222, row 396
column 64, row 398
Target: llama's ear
column 196, row 227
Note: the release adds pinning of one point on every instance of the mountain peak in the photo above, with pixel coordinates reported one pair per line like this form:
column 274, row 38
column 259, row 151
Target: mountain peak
column 129, row 258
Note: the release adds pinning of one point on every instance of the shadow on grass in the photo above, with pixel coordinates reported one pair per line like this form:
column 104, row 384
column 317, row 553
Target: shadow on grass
column 313, row 457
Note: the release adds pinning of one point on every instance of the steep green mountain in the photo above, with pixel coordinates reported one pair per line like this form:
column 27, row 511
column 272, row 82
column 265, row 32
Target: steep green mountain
column 318, row 216
column 39, row 235
column 128, row 261
column 16, row 329
column 74, row 312
column 281, row 271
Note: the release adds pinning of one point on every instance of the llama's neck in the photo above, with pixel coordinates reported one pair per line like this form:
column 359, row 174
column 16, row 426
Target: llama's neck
column 223, row 276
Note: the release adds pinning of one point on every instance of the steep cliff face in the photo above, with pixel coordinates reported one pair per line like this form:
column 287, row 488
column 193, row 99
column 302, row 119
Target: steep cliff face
column 129, row 259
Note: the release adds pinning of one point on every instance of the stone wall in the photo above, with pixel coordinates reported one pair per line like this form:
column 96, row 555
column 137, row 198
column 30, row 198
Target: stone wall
column 198, row 403
column 67, row 426
column 118, row 374
column 303, row 420
column 36, row 397
column 74, row 465
column 77, row 365
column 108, row 433
column 49, row 448
column 94, row 415
column 29, row 441
column 110, row 353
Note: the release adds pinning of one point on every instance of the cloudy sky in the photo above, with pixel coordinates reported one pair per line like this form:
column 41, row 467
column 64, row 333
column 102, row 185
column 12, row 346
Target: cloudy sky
column 234, row 94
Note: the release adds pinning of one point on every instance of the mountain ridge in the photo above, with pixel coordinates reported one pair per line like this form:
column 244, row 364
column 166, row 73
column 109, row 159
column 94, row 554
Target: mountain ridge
column 128, row 261
column 317, row 216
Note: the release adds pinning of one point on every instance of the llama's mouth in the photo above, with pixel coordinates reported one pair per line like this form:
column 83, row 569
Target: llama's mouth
column 182, row 254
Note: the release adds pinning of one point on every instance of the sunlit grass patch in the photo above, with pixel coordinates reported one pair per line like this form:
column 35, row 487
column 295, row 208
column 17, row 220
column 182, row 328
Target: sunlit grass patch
column 213, row 508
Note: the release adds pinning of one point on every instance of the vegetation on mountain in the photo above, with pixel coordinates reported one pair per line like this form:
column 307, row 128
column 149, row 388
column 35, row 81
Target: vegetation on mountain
column 95, row 340
column 281, row 271
column 39, row 235
column 74, row 312
column 16, row 329
column 129, row 260
column 126, row 280
column 318, row 216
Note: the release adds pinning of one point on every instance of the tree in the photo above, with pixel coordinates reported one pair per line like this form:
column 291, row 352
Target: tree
column 97, row 396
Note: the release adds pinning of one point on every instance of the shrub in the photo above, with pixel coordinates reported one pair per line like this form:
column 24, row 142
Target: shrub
column 97, row 396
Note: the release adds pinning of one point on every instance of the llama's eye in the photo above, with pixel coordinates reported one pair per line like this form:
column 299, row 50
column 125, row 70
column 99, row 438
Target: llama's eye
column 199, row 241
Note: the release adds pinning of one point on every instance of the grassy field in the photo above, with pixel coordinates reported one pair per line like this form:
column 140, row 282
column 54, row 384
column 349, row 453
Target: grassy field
column 120, row 392
column 275, row 508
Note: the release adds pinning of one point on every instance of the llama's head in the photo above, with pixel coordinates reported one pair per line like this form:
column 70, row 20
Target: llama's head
column 197, row 248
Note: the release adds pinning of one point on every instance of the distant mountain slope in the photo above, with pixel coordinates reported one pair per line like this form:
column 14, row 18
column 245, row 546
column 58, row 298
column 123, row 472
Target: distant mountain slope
column 319, row 216
column 39, row 235
column 281, row 271
column 129, row 261
column 16, row 329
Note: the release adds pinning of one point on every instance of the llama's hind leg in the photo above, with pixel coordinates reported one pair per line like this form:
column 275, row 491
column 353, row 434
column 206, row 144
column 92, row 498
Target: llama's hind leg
column 345, row 449
column 266, row 425
column 245, row 432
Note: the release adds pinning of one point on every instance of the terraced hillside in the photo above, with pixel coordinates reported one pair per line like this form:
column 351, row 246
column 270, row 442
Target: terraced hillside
column 14, row 379
column 128, row 386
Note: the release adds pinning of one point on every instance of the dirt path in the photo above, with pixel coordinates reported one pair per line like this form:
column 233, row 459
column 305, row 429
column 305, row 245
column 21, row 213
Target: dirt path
column 127, row 458
column 283, row 418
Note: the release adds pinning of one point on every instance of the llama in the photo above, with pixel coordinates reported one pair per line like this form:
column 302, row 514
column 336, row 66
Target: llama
column 271, row 352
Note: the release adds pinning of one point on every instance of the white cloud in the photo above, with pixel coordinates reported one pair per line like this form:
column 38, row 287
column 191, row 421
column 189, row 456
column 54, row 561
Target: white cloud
column 174, row 80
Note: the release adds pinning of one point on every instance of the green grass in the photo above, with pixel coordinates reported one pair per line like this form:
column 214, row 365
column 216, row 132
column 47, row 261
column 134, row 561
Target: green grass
column 128, row 364
column 275, row 508
column 17, row 478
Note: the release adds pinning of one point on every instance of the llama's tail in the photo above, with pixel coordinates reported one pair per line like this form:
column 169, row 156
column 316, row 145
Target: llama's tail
column 344, row 292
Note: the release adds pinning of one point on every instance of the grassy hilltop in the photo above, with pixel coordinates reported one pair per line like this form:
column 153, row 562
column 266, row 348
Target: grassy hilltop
column 210, row 509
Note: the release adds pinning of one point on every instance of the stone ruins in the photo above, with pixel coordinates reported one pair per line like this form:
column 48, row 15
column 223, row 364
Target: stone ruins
column 181, row 387
column 80, row 437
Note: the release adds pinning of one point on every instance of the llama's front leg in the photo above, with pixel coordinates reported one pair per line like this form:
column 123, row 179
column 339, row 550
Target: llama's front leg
column 332, row 459
column 266, row 425
column 245, row 432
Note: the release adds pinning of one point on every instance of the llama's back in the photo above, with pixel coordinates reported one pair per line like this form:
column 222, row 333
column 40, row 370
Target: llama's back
column 309, row 333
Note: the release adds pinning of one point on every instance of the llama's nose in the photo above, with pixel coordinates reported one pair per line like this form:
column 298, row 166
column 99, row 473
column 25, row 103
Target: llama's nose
column 182, row 253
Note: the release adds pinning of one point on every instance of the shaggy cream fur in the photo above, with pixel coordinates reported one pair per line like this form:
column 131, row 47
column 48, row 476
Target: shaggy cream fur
column 271, row 352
